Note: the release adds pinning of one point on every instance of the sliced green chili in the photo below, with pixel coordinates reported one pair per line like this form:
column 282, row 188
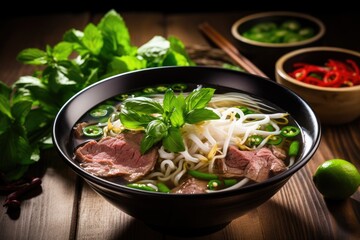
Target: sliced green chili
column 275, row 140
column 141, row 186
column 98, row 112
column 294, row 148
column 245, row 110
column 229, row 182
column 101, row 111
column 149, row 90
column 202, row 175
column 254, row 140
column 92, row 131
column 269, row 128
column 179, row 87
column 290, row 131
column 162, row 187
column 161, row 89
column 215, row 184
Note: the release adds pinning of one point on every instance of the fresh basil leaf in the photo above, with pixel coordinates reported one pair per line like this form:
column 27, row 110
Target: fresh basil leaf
column 143, row 105
column 15, row 147
column 157, row 129
column 134, row 120
column 5, row 106
column 173, row 141
column 154, row 132
column 177, row 116
column 147, row 143
column 169, row 100
column 198, row 115
column 5, row 90
column 20, row 109
column 93, row 39
column 199, row 98
column 5, row 123
column 32, row 56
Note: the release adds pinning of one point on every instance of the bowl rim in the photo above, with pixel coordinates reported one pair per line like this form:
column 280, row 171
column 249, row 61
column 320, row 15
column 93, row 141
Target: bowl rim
column 285, row 76
column 242, row 20
column 104, row 183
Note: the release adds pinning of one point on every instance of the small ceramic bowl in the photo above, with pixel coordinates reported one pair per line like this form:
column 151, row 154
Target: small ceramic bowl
column 333, row 105
column 279, row 38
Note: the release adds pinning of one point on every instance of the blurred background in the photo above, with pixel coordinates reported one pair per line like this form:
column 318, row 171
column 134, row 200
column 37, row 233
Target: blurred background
column 39, row 7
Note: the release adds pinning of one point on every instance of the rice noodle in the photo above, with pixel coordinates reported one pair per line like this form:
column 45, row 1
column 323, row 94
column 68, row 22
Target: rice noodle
column 209, row 140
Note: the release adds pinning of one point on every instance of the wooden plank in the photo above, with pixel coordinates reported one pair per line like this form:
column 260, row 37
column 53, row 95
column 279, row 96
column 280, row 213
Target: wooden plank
column 49, row 215
column 69, row 210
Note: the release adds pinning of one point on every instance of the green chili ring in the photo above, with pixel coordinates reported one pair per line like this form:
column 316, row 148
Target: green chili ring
column 215, row 184
column 290, row 131
column 275, row 140
column 101, row 111
column 254, row 140
column 92, row 131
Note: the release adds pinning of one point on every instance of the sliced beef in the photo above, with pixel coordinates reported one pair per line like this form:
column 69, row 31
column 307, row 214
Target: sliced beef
column 117, row 156
column 257, row 165
column 191, row 186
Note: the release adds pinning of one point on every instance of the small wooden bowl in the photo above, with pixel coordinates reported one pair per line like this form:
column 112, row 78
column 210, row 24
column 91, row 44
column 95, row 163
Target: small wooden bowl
column 332, row 105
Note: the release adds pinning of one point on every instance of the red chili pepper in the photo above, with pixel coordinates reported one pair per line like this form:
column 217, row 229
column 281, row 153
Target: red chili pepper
column 334, row 73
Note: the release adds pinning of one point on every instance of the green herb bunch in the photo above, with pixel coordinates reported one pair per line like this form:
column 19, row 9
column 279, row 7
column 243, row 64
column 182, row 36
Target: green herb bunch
column 163, row 122
column 29, row 107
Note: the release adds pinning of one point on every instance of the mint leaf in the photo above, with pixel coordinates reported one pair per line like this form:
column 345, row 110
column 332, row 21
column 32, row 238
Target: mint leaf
column 62, row 51
column 93, row 39
column 176, row 45
column 5, row 106
column 116, row 35
column 20, row 110
column 154, row 51
column 124, row 64
column 32, row 56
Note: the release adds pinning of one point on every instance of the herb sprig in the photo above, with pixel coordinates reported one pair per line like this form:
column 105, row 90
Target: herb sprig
column 28, row 107
column 163, row 122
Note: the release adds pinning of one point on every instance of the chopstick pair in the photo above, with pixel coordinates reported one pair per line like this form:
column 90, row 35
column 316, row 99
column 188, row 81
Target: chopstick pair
column 230, row 49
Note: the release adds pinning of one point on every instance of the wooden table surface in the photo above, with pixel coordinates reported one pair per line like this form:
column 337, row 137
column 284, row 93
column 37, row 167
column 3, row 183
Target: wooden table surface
column 68, row 209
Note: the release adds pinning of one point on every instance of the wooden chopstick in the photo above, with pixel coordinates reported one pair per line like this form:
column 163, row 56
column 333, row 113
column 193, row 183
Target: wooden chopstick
column 230, row 49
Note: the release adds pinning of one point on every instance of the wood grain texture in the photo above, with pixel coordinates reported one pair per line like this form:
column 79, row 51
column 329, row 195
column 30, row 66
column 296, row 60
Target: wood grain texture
column 68, row 208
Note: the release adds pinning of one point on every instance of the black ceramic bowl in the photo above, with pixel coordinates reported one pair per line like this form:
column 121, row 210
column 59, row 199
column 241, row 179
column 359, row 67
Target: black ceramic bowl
column 186, row 214
column 265, row 54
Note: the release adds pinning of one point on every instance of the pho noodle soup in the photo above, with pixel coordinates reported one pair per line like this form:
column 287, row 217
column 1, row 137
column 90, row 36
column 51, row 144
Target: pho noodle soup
column 186, row 139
